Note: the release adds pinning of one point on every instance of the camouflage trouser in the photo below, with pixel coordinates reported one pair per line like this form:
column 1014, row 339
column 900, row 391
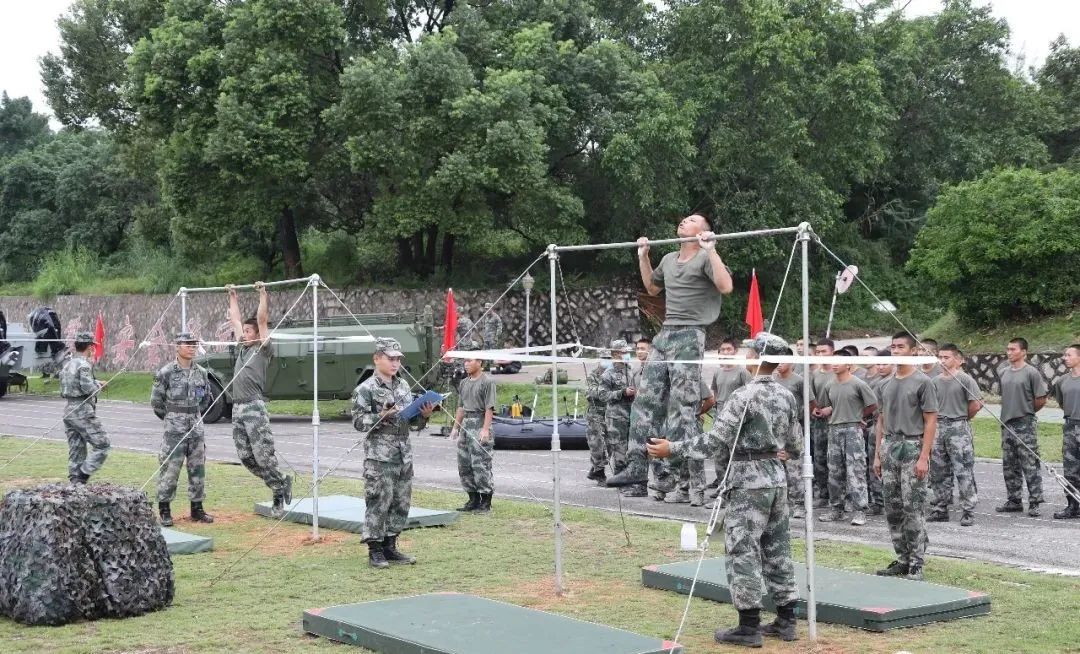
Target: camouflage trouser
column 84, row 430
column 615, row 433
column 819, row 452
column 184, row 442
column 953, row 454
column 758, row 546
column 473, row 457
column 873, row 482
column 595, row 434
column 669, row 393
column 905, row 498
column 795, row 491
column 1070, row 452
column 255, row 443
column 847, row 465
column 692, row 475
column 387, row 485
column 1018, row 463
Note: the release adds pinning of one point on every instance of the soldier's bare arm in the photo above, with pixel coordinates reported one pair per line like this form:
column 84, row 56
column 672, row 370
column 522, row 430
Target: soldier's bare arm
column 645, row 267
column 234, row 314
column 262, row 315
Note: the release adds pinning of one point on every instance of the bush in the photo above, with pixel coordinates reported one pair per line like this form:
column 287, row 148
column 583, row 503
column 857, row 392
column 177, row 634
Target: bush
column 66, row 272
column 1004, row 246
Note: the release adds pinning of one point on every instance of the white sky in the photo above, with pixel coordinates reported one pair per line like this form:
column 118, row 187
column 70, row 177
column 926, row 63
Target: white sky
column 28, row 31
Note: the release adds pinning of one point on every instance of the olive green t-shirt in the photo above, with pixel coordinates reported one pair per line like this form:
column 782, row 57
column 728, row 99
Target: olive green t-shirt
column 690, row 295
column 954, row 392
column 1067, row 394
column 903, row 402
column 847, row 399
column 725, row 381
column 249, row 372
column 1019, row 388
column 819, row 380
column 794, row 383
column 477, row 394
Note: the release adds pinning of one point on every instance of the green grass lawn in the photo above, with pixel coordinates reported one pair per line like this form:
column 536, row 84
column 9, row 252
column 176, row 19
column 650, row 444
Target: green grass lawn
column 1048, row 335
column 507, row 555
column 987, row 432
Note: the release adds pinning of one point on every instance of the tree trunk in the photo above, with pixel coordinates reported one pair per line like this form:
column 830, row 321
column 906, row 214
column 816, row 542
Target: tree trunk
column 419, row 263
column 290, row 244
column 447, row 258
column 432, row 240
column 405, row 257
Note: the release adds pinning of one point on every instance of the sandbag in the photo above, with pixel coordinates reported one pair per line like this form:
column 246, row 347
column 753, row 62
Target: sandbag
column 81, row 552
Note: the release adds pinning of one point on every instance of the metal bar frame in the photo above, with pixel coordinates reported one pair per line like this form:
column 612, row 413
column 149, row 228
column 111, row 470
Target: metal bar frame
column 671, row 241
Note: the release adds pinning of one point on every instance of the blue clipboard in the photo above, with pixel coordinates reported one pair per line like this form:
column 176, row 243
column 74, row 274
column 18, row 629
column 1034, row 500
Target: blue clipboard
column 413, row 410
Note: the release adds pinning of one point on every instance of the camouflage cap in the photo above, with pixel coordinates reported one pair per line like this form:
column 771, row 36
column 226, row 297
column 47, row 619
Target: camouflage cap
column 85, row 338
column 388, row 347
column 185, row 337
column 488, row 305
column 769, row 344
column 618, row 345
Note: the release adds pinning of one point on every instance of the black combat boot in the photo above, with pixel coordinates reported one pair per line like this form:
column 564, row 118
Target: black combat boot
column 198, row 515
column 635, row 471
column 392, row 555
column 375, row 556
column 166, row 514
column 286, row 491
column 278, row 508
column 485, row 503
column 1070, row 511
column 747, row 634
column 938, row 515
column 783, row 627
column 474, row 501
column 894, row 569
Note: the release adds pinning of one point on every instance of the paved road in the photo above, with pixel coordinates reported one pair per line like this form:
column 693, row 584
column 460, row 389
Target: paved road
column 1034, row 543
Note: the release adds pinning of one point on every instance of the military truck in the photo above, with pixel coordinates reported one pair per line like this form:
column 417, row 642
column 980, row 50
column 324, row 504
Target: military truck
column 342, row 364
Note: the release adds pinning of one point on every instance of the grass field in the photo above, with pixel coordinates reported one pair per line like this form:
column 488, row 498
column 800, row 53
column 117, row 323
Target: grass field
column 1048, row 335
column 987, row 433
column 257, row 604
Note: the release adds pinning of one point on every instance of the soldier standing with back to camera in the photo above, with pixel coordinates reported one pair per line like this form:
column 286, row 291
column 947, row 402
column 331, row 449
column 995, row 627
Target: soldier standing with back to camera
column 179, row 390
column 388, row 461
column 252, row 436
column 79, row 387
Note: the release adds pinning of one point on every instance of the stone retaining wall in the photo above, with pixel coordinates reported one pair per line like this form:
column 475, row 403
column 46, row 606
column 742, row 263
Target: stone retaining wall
column 984, row 368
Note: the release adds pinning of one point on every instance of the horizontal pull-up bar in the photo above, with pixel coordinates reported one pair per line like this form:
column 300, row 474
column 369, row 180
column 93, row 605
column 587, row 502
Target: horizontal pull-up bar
column 688, row 239
column 282, row 282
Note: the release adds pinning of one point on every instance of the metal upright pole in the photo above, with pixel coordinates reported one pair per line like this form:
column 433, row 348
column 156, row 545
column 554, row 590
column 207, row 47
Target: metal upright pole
column 183, row 309
column 556, row 447
column 315, row 407
column 832, row 307
column 807, row 464
column 528, row 292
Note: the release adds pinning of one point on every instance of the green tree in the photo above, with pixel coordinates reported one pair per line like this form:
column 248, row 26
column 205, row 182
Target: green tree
column 1004, row 246
column 1059, row 80
column 20, row 127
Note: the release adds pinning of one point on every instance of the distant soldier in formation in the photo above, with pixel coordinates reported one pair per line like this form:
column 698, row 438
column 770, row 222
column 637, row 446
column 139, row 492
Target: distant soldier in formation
column 79, row 387
column 252, row 436
column 388, row 462
column 596, row 428
column 691, row 472
column 960, row 399
column 786, row 376
column 757, row 423
column 869, row 372
column 845, row 403
column 180, row 388
column 874, row 495
column 724, row 382
column 1067, row 394
column 694, row 280
column 929, row 347
column 905, row 435
column 819, row 424
column 492, row 327
column 466, row 335
column 616, row 391
column 1023, row 394
column 472, row 431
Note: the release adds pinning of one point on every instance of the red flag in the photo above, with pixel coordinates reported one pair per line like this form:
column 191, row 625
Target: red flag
column 99, row 339
column 753, row 307
column 449, row 340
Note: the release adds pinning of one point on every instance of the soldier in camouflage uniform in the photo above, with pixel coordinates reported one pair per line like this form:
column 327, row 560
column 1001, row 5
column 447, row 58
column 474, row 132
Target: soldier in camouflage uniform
column 723, row 383
column 1067, row 394
column 251, row 431
column 180, row 388
column 388, row 463
column 959, row 400
column 846, row 402
column 493, row 327
column 1023, row 394
column 819, row 425
column 695, row 279
column 757, row 422
column 905, row 435
column 786, row 376
column 596, row 427
column 79, row 387
column 618, row 394
column 472, row 431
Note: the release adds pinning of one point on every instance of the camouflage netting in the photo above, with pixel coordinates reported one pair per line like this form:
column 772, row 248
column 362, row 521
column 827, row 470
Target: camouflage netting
column 81, row 552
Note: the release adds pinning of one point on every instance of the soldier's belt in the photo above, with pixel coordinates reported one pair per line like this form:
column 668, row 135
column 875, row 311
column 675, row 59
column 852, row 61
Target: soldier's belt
column 753, row 456
column 475, row 413
column 176, row 408
column 903, row 437
column 942, row 419
column 77, row 398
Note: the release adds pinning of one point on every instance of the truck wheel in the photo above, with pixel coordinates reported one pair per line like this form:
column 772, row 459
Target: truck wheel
column 215, row 406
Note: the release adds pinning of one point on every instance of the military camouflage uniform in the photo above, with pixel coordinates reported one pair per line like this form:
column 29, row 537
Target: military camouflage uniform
column 1067, row 393
column 954, row 451
column 847, row 442
column 493, row 327
column 388, row 462
column 596, row 433
column 467, row 338
column 793, row 465
column 757, row 421
column 77, row 385
column 613, row 385
column 252, row 436
column 1019, row 464
column 179, row 393
column 819, row 436
column 474, row 457
column 874, row 495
